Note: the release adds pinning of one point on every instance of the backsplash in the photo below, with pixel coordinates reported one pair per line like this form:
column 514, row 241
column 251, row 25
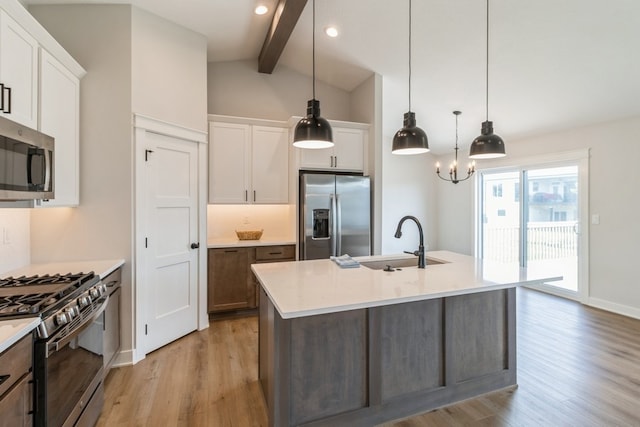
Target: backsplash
column 15, row 239
column 278, row 221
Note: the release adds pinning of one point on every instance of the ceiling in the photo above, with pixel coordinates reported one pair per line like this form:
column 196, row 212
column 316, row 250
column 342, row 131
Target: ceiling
column 553, row 65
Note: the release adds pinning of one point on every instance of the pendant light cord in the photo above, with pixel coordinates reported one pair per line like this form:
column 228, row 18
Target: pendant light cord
column 313, row 48
column 409, row 55
column 487, row 69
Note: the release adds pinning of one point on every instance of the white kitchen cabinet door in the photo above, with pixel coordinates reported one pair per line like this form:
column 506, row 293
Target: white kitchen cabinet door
column 19, row 72
column 346, row 154
column 229, row 162
column 348, row 148
column 59, row 118
column 269, row 164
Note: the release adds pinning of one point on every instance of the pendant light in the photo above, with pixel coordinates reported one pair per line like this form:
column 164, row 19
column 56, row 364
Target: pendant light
column 313, row 131
column 410, row 139
column 488, row 145
column 453, row 168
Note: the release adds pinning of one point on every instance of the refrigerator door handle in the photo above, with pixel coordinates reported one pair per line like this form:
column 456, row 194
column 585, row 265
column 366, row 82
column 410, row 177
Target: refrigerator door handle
column 334, row 225
column 338, row 233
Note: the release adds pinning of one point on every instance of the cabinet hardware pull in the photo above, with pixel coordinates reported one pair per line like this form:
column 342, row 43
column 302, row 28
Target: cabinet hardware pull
column 254, row 195
column 146, row 155
column 8, row 110
column 275, row 253
column 230, row 250
column 1, row 96
column 246, row 196
column 335, row 162
column 195, row 245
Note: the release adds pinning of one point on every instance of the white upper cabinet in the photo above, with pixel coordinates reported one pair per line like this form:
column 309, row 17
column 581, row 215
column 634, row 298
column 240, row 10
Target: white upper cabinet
column 229, row 151
column 59, row 118
column 248, row 163
column 18, row 72
column 347, row 153
column 269, row 164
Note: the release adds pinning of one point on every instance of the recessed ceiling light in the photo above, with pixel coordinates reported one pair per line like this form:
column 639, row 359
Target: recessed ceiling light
column 331, row 31
column 261, row 10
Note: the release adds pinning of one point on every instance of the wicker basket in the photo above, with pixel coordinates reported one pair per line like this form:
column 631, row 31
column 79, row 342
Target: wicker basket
column 249, row 234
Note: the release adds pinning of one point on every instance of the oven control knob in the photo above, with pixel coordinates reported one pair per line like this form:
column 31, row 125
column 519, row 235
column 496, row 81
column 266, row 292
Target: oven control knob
column 62, row 319
column 72, row 312
column 84, row 301
column 95, row 293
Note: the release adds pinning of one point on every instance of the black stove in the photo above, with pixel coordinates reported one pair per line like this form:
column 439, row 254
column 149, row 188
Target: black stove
column 57, row 298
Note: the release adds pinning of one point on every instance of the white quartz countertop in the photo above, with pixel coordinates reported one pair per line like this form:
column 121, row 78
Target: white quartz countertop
column 305, row 288
column 235, row 243
column 11, row 331
column 99, row 267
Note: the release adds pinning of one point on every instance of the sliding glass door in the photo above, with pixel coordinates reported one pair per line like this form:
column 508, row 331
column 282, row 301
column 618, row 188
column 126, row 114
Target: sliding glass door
column 532, row 215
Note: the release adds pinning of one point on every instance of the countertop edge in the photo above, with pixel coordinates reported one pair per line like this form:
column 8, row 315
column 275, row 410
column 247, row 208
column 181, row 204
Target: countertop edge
column 22, row 327
column 229, row 243
column 101, row 267
column 471, row 267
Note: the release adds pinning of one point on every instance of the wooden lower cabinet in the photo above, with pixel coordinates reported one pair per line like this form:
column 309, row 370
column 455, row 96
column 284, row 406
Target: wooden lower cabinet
column 231, row 283
column 16, row 385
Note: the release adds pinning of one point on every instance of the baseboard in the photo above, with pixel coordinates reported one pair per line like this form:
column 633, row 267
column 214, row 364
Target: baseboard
column 124, row 358
column 613, row 307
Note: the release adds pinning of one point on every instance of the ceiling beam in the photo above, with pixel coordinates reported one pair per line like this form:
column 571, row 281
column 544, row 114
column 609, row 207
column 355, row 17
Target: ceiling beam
column 284, row 21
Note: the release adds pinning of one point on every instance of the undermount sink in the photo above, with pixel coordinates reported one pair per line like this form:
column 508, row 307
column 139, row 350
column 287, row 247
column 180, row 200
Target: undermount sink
column 396, row 263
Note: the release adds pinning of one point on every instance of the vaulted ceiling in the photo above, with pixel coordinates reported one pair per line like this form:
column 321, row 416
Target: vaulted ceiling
column 554, row 65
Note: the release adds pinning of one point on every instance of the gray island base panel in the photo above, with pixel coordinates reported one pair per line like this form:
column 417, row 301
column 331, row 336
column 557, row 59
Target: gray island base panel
column 366, row 366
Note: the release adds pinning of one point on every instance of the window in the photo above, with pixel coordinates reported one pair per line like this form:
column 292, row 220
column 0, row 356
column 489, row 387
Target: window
column 497, row 190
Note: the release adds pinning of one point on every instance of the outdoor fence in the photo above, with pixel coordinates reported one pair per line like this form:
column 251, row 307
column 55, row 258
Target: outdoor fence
column 545, row 240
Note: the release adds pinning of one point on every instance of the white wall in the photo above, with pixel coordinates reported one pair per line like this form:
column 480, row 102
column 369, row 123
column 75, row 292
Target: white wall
column 14, row 239
column 102, row 39
column 366, row 107
column 99, row 38
column 169, row 71
column 408, row 182
column 237, row 89
column 613, row 194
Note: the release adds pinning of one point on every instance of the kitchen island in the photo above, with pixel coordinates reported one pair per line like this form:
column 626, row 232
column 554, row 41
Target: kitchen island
column 361, row 346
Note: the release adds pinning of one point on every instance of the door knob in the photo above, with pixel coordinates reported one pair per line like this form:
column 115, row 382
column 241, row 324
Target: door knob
column 195, row 245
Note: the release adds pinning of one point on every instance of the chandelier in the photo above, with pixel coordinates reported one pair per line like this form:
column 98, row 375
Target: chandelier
column 453, row 167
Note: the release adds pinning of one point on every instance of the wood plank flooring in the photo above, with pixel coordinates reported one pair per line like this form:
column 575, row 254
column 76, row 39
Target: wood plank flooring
column 577, row 366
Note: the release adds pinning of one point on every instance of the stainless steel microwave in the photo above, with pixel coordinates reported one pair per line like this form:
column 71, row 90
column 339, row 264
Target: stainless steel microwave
column 26, row 163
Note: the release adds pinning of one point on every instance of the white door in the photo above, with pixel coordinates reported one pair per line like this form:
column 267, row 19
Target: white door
column 171, row 169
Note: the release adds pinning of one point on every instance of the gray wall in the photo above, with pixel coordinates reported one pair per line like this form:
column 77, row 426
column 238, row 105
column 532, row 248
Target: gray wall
column 237, row 89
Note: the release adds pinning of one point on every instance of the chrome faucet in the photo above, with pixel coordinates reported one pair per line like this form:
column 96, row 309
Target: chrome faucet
column 420, row 252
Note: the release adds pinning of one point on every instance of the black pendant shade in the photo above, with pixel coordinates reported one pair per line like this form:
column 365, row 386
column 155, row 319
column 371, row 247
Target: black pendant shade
column 313, row 131
column 410, row 139
column 488, row 145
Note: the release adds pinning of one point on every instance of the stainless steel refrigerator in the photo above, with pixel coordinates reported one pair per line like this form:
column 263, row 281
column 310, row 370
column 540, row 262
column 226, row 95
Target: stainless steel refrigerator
column 335, row 215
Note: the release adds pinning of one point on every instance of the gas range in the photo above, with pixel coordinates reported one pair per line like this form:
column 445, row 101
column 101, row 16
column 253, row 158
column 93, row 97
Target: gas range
column 57, row 299
column 68, row 343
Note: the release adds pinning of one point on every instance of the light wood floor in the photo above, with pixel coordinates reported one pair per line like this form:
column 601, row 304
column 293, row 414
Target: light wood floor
column 577, row 366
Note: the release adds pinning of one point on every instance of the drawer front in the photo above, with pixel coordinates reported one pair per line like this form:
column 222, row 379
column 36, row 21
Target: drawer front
column 15, row 362
column 274, row 253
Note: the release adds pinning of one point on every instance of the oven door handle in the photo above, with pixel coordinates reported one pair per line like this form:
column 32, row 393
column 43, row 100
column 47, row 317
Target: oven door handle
column 59, row 344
